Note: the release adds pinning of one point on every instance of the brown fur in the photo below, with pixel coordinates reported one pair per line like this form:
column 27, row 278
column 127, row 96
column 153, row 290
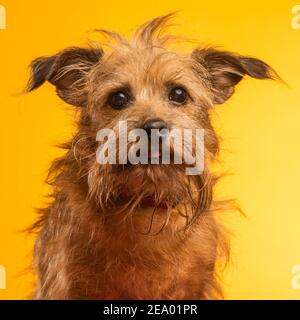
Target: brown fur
column 91, row 244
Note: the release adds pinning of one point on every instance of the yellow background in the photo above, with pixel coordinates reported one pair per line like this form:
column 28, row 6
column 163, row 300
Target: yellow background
column 260, row 127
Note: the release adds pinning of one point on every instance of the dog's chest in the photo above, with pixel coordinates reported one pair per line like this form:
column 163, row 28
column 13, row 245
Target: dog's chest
column 142, row 283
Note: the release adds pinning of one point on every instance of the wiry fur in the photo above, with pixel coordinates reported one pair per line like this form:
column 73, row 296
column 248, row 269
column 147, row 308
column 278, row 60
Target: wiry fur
column 90, row 243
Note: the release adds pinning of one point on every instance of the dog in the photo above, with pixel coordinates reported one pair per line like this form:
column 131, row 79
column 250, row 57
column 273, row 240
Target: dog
column 135, row 231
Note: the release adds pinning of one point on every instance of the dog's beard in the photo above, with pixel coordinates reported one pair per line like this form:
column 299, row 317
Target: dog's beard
column 126, row 187
column 119, row 189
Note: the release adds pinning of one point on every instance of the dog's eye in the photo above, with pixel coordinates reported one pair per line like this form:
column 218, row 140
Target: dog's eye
column 178, row 95
column 119, row 100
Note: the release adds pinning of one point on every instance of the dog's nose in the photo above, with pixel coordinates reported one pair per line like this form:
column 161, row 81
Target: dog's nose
column 158, row 124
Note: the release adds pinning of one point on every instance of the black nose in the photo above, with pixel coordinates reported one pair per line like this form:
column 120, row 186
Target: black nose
column 155, row 124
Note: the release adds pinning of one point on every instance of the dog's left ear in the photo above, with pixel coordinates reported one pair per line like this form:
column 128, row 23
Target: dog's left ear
column 67, row 71
column 224, row 70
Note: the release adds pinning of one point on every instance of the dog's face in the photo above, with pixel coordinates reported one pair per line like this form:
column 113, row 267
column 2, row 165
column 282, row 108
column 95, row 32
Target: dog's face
column 143, row 83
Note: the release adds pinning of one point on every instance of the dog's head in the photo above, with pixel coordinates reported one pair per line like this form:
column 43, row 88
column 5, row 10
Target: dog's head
column 149, row 87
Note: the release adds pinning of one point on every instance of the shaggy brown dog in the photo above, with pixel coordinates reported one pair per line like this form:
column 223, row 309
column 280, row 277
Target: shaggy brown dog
column 136, row 231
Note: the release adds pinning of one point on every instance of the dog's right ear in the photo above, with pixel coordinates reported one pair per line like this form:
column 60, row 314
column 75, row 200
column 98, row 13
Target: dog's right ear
column 68, row 71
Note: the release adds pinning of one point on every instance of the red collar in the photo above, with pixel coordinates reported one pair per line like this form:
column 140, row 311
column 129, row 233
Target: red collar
column 148, row 201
